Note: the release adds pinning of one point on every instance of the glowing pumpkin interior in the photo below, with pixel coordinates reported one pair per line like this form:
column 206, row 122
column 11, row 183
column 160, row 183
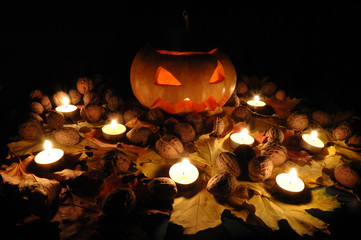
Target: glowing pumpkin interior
column 179, row 82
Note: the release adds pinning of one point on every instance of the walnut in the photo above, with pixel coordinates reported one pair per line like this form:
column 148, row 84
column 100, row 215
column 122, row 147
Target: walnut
column 115, row 102
column 155, row 116
column 36, row 94
column 276, row 152
column 119, row 202
column 297, row 122
column 342, row 132
column 118, row 116
column 228, row 162
column 168, row 125
column 75, row 96
column 67, row 136
column 275, row 134
column 233, row 101
column 55, row 119
column 280, row 95
column 31, row 130
column 92, row 113
column 36, row 107
column 260, row 168
column 169, row 146
column 163, row 188
column 132, row 113
column 84, row 85
column 185, row 132
column 91, row 97
column 268, row 88
column 347, row 175
column 197, row 121
column 323, row 118
column 58, row 98
column 241, row 88
column 139, row 135
column 241, row 114
column 215, row 125
column 222, row 185
column 354, row 140
column 115, row 161
column 45, row 101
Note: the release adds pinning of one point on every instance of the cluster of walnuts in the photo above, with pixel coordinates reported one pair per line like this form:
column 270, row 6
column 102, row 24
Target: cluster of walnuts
column 93, row 103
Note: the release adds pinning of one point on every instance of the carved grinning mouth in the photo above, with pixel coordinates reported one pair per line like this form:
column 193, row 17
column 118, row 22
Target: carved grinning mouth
column 187, row 105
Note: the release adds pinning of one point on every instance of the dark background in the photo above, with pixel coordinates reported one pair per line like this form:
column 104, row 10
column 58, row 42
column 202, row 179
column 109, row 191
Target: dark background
column 309, row 50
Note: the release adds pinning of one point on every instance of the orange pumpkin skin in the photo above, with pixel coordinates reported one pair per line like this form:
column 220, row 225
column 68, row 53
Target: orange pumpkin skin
column 180, row 82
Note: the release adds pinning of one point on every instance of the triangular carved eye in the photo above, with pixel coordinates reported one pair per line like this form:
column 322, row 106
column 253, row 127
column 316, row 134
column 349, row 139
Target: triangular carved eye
column 218, row 74
column 165, row 78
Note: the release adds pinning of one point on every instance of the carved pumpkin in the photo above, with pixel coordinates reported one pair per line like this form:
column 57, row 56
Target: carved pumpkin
column 179, row 82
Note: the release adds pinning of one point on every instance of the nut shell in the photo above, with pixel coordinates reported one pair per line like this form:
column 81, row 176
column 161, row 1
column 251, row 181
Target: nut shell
column 241, row 88
column 342, row 132
column 115, row 102
column 222, row 185
column 244, row 153
column 31, row 130
column 92, row 113
column 185, row 132
column 36, row 107
column 55, row 119
column 347, row 176
column 91, row 97
column 280, row 95
column 169, row 146
column 115, row 161
column 197, row 121
column 323, row 118
column 58, row 98
column 275, row 134
column 354, row 140
column 268, row 88
column 297, row 122
column 84, row 85
column 215, row 125
column 275, row 151
column 67, row 136
column 163, row 188
column 119, row 202
column 155, row 116
column 260, row 168
column 45, row 101
column 241, row 114
column 75, row 96
column 228, row 162
column 139, row 135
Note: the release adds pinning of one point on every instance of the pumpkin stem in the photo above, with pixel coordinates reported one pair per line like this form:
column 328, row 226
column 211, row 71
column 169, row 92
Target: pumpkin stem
column 185, row 17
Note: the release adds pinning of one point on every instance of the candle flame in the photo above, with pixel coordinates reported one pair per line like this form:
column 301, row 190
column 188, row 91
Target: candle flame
column 47, row 145
column 313, row 135
column 113, row 124
column 66, row 101
column 256, row 98
column 293, row 173
column 187, row 99
column 185, row 161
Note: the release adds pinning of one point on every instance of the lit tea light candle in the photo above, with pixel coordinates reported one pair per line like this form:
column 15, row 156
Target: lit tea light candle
column 49, row 155
column 312, row 143
column 290, row 182
column 256, row 103
column 184, row 172
column 240, row 138
column 113, row 131
column 67, row 109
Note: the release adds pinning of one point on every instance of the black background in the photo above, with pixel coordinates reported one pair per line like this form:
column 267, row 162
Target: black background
column 309, row 50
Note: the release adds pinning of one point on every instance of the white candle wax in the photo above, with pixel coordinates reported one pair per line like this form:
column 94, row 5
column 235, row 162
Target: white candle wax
column 48, row 155
column 312, row 143
column 66, row 109
column 113, row 131
column 184, row 172
column 290, row 182
column 241, row 138
column 256, row 102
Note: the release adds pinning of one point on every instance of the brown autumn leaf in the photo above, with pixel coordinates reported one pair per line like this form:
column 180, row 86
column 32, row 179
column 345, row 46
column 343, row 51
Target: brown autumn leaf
column 282, row 108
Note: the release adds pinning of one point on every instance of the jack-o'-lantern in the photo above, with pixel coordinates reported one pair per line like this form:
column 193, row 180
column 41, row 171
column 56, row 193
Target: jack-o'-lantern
column 180, row 82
